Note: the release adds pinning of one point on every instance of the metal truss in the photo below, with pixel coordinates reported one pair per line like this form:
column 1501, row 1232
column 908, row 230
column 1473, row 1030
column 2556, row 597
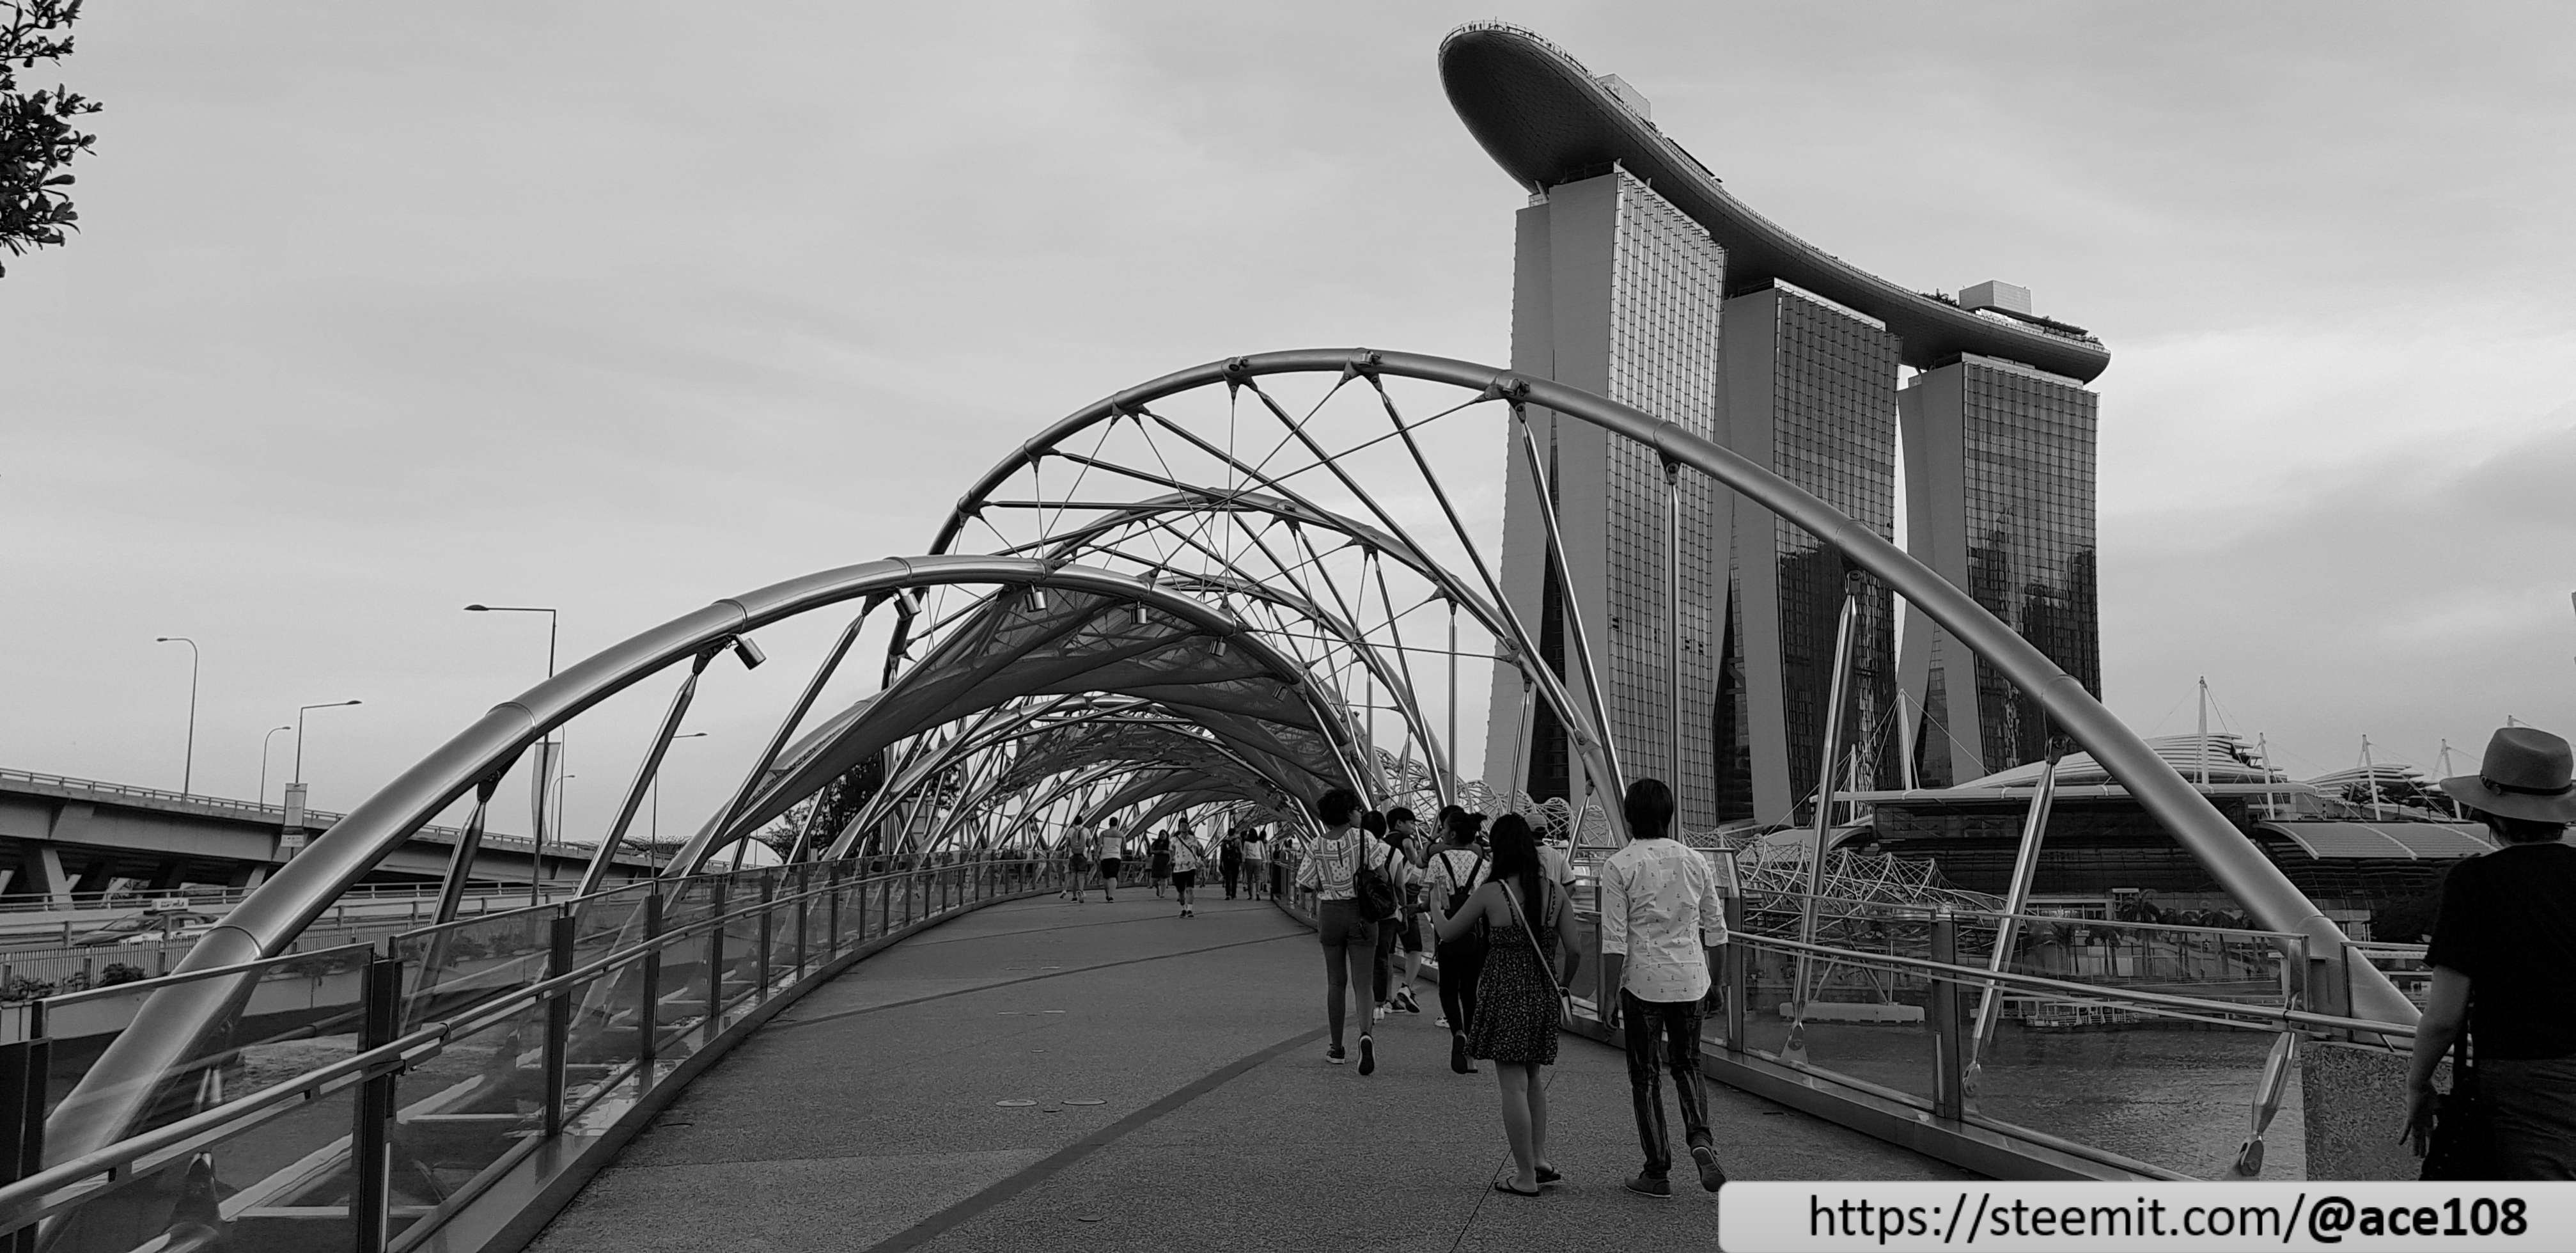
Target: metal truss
column 1204, row 595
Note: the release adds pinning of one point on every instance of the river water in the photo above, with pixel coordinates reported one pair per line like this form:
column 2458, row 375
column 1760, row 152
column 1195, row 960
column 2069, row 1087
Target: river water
column 2177, row 1099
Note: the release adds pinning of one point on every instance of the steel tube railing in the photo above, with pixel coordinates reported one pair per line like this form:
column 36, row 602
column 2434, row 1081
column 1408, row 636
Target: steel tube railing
column 386, row 1054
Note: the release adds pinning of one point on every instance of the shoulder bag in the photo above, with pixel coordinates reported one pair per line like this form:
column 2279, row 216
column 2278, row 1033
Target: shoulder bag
column 1369, row 887
column 2463, row 1144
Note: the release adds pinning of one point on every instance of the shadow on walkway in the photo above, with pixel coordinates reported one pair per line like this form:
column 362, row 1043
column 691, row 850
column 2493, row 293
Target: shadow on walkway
column 1042, row 1075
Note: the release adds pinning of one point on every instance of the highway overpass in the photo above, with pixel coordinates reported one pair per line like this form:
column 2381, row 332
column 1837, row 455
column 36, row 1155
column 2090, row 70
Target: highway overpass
column 62, row 838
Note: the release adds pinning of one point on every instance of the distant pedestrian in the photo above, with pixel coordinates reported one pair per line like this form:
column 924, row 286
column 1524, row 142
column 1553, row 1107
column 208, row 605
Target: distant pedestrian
column 1077, row 861
column 1158, row 861
column 2503, row 957
column 1661, row 922
column 1229, row 860
column 1110, row 854
column 1454, row 873
column 1185, row 872
column 1404, row 835
column 1528, row 925
column 1332, row 868
column 1398, row 873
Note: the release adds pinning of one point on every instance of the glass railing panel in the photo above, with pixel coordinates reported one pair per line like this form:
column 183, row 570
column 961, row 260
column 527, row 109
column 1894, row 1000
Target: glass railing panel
column 449, row 969
column 459, row 1112
column 295, row 1013
column 2167, row 1091
column 283, row 1183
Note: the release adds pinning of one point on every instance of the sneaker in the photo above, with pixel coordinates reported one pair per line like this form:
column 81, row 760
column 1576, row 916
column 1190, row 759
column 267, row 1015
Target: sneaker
column 1711, row 1175
column 1404, row 1001
column 1333, row 1055
column 1458, row 1056
column 1368, row 1053
column 1649, row 1185
column 1441, row 1021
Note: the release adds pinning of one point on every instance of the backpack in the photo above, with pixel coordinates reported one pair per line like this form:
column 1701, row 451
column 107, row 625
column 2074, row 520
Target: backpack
column 1463, row 888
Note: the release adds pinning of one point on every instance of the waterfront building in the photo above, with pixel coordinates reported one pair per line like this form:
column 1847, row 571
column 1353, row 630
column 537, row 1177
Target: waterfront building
column 1617, row 292
column 1999, row 471
column 1791, row 356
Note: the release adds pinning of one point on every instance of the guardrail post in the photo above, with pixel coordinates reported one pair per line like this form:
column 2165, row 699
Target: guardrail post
column 1731, row 966
column 804, row 926
column 649, row 995
column 558, row 1019
column 22, row 1114
column 768, row 930
column 832, row 912
column 715, row 959
column 1948, row 1098
column 371, row 1139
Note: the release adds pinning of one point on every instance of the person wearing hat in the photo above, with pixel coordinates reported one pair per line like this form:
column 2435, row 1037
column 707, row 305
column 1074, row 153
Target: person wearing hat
column 2503, row 957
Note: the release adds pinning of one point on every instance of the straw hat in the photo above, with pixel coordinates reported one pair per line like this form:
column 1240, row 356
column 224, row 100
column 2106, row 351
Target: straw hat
column 2525, row 774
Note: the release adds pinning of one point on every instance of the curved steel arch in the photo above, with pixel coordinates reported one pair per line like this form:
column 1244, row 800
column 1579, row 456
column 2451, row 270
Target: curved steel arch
column 169, row 1026
column 801, row 777
column 2267, row 894
column 1587, row 732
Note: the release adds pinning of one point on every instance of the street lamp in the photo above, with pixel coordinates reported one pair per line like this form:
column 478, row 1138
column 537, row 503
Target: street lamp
column 550, row 754
column 187, row 772
column 299, row 731
column 550, row 625
column 653, row 840
column 264, row 742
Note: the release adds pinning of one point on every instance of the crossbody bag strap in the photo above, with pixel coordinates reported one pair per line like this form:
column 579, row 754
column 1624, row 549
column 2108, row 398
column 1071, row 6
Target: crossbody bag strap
column 1545, row 966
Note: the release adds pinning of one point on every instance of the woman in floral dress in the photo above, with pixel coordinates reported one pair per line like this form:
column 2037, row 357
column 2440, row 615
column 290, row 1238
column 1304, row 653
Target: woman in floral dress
column 1530, row 952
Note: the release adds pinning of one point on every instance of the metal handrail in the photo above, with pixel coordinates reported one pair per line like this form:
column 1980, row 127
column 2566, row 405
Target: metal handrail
column 28, row 1199
column 2086, row 991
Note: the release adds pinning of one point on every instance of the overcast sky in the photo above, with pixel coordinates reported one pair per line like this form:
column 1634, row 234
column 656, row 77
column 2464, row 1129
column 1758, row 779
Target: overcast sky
column 618, row 308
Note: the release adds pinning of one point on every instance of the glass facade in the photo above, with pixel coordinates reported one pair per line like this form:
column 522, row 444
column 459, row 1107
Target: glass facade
column 1666, row 288
column 1661, row 299
column 1832, row 419
column 2029, row 485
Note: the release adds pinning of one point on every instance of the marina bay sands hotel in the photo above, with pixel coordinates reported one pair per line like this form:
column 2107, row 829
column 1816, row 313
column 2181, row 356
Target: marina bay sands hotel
column 1637, row 275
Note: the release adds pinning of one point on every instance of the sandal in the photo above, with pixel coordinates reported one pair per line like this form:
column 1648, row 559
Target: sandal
column 1501, row 1185
column 1548, row 1175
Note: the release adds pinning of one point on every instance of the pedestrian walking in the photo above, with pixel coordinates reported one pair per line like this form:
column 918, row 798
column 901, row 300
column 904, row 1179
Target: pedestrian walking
column 1158, row 861
column 1661, row 923
column 1381, row 975
column 1528, row 925
column 1454, row 873
column 1404, row 835
column 1077, row 861
column 1229, row 860
column 1110, row 855
column 2503, row 956
column 1338, row 866
column 1185, row 863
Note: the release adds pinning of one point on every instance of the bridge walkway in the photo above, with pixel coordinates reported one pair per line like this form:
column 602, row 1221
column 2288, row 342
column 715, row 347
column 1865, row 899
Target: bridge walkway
column 1179, row 1099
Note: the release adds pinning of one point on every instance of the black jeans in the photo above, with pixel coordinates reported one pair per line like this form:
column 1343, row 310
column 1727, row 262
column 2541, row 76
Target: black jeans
column 1233, row 872
column 1674, row 1027
column 1350, row 947
column 1462, row 962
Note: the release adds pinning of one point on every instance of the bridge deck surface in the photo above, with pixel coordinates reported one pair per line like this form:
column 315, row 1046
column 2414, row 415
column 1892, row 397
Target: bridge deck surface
column 868, row 1116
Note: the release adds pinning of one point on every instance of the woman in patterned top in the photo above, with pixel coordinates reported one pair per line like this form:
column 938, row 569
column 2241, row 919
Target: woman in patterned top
column 1529, row 922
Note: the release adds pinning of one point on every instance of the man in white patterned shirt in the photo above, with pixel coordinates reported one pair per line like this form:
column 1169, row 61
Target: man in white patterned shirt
column 1661, row 923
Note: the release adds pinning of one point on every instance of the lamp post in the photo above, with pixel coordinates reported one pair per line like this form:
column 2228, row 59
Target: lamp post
column 265, row 742
column 653, row 838
column 299, row 730
column 550, row 754
column 188, row 771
